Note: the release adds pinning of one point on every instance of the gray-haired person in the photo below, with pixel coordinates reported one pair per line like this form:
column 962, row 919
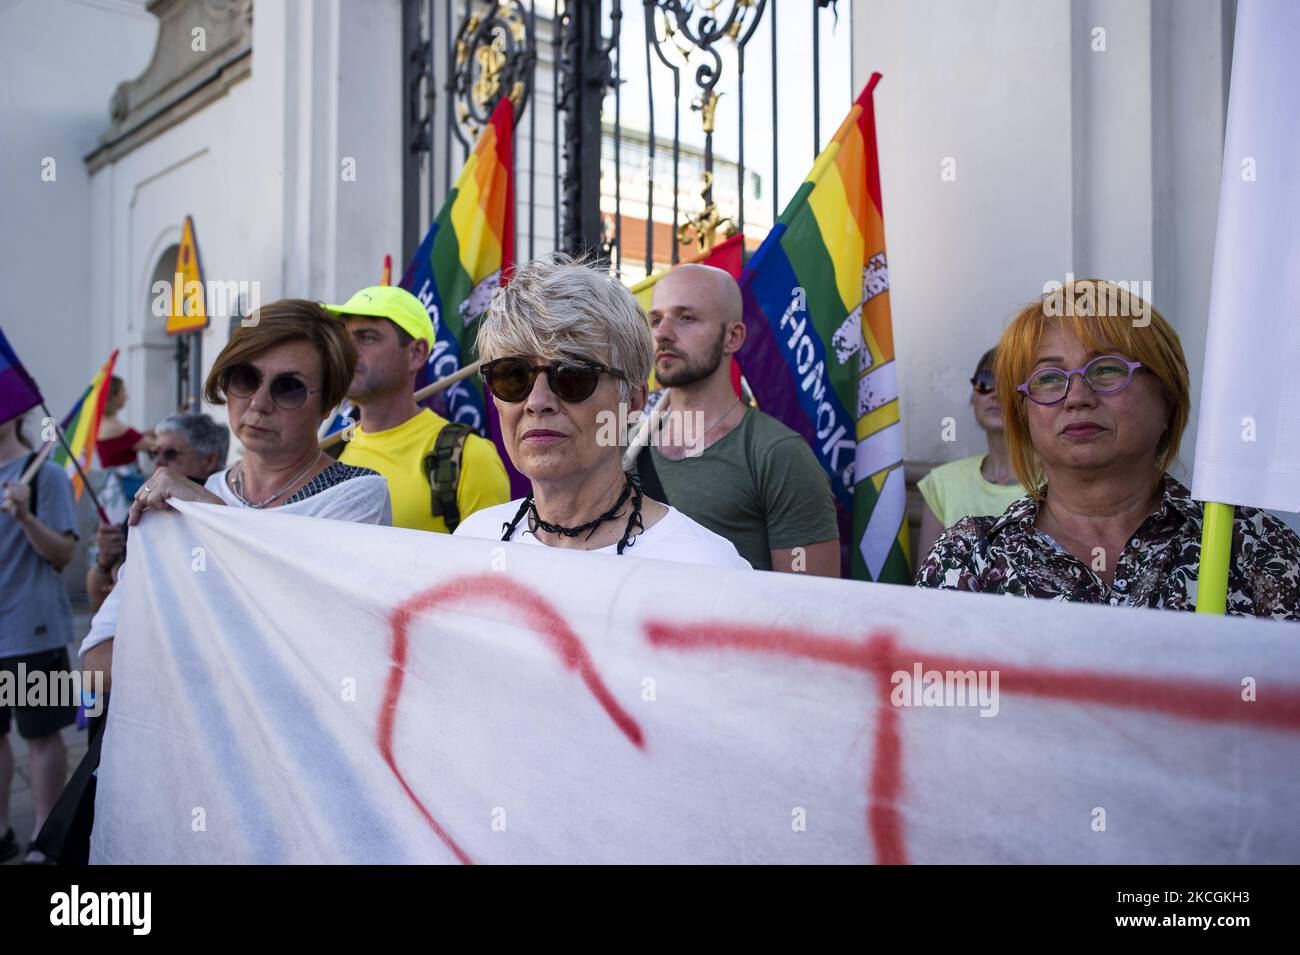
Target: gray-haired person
column 194, row 445
column 566, row 351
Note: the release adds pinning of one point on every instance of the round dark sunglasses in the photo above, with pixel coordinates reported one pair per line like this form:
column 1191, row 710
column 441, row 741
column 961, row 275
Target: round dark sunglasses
column 983, row 383
column 512, row 379
column 288, row 392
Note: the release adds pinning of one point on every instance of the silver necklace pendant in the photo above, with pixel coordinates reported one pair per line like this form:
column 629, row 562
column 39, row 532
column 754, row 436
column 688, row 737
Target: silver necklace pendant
column 237, row 485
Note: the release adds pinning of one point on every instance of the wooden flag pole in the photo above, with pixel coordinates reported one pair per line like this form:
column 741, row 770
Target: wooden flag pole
column 1216, row 552
column 36, row 463
column 442, row 384
column 644, row 433
column 85, row 480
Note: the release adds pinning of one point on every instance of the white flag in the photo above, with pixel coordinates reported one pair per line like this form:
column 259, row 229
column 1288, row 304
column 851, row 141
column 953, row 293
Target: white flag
column 1248, row 437
column 289, row 689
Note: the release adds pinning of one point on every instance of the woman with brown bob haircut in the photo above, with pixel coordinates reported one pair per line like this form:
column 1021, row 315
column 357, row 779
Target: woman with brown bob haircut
column 281, row 373
column 1095, row 395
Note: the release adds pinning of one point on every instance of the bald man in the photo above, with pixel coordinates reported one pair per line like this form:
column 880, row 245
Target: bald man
column 737, row 471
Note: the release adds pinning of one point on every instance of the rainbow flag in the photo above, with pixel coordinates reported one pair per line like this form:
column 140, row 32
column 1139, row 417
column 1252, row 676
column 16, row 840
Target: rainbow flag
column 468, row 252
column 820, row 341
column 18, row 391
column 81, row 426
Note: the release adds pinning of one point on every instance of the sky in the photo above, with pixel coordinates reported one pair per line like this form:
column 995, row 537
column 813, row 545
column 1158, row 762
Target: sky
column 794, row 68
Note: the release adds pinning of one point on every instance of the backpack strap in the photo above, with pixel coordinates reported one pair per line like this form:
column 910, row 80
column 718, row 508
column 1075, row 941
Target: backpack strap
column 651, row 486
column 442, row 469
column 35, row 484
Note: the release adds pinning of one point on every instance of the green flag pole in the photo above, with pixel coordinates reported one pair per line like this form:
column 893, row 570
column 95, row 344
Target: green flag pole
column 1216, row 550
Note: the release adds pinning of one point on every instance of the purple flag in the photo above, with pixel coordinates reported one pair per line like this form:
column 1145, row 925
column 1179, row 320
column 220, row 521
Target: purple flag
column 18, row 392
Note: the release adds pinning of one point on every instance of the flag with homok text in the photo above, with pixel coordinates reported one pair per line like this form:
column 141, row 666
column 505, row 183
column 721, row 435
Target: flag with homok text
column 819, row 352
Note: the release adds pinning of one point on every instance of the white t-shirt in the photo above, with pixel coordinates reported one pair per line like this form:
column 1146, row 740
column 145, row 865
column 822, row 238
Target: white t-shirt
column 675, row 537
column 340, row 493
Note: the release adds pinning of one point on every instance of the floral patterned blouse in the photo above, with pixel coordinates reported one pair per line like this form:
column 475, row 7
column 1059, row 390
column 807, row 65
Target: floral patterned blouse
column 1158, row 568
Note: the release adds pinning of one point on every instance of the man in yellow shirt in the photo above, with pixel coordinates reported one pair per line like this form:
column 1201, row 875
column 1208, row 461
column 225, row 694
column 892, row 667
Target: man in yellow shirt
column 434, row 484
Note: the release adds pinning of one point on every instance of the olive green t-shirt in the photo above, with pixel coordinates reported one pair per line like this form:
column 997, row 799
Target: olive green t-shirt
column 760, row 487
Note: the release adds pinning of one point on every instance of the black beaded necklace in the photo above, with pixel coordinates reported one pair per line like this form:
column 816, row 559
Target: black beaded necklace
column 634, row 524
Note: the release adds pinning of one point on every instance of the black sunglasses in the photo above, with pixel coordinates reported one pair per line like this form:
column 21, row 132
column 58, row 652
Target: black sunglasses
column 167, row 455
column 983, row 382
column 288, row 392
column 512, row 379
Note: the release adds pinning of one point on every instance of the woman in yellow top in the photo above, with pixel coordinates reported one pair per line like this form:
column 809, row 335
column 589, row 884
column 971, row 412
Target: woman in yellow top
column 981, row 485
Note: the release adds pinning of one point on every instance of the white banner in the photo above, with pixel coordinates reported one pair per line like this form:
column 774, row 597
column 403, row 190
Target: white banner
column 288, row 689
column 1248, row 436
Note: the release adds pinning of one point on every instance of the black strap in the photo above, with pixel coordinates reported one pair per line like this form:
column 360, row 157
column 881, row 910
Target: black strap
column 508, row 529
column 442, row 470
column 65, row 836
column 35, row 485
column 650, row 483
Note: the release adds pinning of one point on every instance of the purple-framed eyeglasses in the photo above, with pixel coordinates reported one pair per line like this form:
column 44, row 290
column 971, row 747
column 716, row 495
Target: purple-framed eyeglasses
column 1105, row 375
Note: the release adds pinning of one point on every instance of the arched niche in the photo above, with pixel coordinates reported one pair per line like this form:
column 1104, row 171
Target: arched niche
column 161, row 368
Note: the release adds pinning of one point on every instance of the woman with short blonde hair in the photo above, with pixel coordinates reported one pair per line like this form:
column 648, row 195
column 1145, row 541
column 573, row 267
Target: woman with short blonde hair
column 1095, row 396
column 566, row 354
column 560, row 308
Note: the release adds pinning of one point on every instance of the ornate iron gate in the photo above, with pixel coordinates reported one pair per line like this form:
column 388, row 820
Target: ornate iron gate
column 568, row 56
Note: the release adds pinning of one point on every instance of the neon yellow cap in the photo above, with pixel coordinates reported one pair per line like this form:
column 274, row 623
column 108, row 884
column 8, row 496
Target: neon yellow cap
column 393, row 303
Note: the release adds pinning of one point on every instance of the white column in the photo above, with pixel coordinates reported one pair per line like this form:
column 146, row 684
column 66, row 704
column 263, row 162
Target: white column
column 341, row 147
column 1082, row 137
